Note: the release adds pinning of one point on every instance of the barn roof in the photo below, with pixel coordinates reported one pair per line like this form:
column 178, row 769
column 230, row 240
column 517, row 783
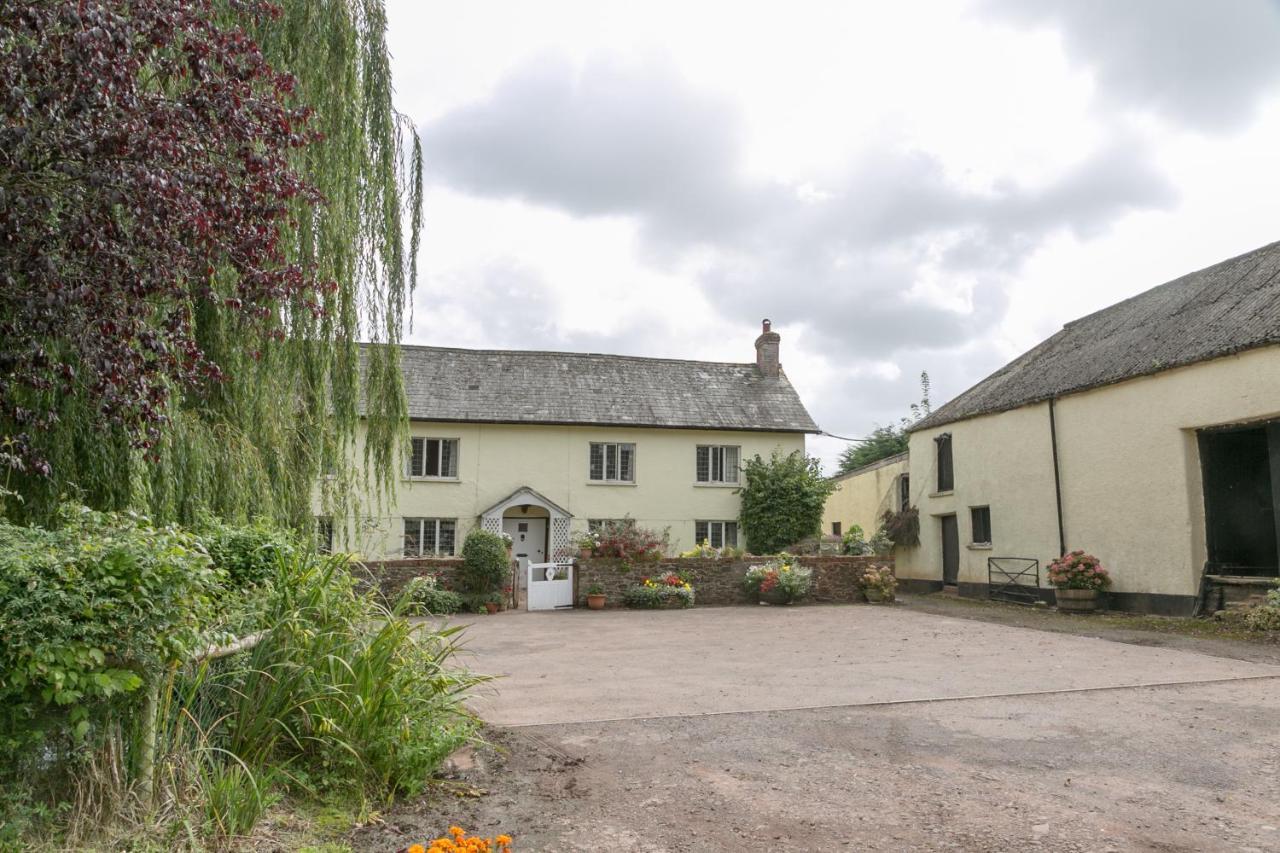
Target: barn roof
column 1223, row 309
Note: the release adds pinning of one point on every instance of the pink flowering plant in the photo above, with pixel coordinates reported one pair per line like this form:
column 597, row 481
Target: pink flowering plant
column 1078, row 570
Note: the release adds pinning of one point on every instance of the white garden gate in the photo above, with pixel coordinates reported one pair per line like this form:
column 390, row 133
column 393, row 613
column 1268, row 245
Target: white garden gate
column 550, row 585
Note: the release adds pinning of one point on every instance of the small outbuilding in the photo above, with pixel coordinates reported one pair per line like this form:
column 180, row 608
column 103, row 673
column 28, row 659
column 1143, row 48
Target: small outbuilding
column 1147, row 433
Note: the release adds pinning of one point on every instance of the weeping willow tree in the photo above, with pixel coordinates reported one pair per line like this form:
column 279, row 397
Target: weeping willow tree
column 181, row 336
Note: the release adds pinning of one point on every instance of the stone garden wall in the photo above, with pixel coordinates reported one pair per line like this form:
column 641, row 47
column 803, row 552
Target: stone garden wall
column 392, row 575
column 715, row 582
column 719, row 582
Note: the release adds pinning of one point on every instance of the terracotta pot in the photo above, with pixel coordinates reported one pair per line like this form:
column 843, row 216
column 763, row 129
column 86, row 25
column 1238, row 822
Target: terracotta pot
column 1077, row 600
column 596, row 602
column 584, row 554
column 491, row 607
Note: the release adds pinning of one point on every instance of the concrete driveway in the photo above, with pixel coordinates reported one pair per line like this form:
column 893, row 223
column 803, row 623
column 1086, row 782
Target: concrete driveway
column 727, row 730
column 584, row 666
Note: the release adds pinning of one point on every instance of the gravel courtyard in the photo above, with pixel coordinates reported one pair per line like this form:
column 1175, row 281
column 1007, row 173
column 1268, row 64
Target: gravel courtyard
column 824, row 728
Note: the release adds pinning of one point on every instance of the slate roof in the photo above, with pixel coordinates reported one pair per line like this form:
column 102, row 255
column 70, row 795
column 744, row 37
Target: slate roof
column 530, row 387
column 1226, row 308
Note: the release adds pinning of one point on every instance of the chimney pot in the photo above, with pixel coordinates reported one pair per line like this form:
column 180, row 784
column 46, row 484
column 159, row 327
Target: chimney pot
column 767, row 351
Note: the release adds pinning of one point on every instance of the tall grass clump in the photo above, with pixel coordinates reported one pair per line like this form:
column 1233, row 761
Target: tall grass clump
column 340, row 691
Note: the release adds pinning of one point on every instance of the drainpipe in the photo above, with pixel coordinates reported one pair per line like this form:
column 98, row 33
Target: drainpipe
column 1057, row 477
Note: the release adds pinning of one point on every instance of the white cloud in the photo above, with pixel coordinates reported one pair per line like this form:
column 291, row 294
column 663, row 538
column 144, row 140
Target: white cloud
column 900, row 187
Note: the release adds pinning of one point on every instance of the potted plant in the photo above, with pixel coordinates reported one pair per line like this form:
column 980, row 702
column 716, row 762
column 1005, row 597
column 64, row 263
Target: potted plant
column 586, row 543
column 595, row 597
column 879, row 584
column 779, row 581
column 1078, row 578
column 493, row 602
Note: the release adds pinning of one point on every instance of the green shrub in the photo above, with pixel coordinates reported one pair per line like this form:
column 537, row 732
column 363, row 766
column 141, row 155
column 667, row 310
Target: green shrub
column 782, row 501
column 89, row 613
column 485, row 566
column 853, row 542
column 250, row 554
column 424, row 596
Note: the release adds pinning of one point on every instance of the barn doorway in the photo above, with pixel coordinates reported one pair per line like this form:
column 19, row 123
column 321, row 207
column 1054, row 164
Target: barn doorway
column 1241, row 473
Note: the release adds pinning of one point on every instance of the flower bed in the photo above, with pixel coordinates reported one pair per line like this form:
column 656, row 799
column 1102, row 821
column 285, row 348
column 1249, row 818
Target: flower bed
column 668, row 590
column 779, row 581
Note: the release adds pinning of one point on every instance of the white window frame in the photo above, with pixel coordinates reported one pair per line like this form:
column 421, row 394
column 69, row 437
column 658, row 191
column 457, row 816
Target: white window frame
column 718, row 463
column 452, row 468
column 616, row 447
column 716, row 530
column 434, row 525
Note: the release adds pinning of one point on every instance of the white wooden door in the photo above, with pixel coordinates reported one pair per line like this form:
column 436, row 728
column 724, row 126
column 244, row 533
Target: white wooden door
column 528, row 543
column 550, row 585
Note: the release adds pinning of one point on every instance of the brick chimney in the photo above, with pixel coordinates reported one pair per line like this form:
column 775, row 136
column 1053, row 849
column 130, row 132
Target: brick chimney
column 767, row 351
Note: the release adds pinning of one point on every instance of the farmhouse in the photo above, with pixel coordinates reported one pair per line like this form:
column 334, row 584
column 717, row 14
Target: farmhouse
column 1147, row 433
column 545, row 445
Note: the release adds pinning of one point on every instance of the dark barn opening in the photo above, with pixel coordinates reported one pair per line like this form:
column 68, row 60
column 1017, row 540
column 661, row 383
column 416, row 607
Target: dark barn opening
column 1241, row 471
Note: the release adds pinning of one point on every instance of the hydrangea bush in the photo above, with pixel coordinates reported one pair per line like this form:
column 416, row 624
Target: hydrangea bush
column 1078, row 570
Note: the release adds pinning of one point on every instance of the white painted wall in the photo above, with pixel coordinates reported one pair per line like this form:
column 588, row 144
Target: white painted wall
column 1130, row 474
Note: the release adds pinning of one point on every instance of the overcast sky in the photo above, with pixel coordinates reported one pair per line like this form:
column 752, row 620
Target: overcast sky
column 900, row 187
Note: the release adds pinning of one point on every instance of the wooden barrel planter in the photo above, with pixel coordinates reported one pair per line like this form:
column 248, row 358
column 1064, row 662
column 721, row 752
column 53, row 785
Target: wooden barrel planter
column 1077, row 600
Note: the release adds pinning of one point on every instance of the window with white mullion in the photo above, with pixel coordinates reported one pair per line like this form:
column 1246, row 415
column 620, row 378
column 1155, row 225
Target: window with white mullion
column 612, row 463
column 433, row 457
column 716, row 463
column 429, row 537
column 717, row 534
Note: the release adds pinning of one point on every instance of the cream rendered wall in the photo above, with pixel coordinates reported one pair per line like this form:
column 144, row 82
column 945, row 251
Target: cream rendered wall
column 1132, row 491
column 496, row 459
column 862, row 497
column 1002, row 461
column 1130, row 469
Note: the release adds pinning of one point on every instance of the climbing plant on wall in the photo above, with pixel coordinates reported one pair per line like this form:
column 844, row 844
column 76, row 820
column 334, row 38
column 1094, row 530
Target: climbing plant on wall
column 203, row 207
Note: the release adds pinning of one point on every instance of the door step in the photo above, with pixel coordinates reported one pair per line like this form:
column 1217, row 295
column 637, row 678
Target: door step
column 1236, row 592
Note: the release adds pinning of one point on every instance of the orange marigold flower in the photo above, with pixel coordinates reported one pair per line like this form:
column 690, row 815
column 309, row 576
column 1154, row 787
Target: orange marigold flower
column 503, row 839
column 416, row 848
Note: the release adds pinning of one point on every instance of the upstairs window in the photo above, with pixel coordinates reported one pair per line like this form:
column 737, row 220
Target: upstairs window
column 433, row 457
column 981, row 517
column 946, row 473
column 904, row 491
column 717, row 463
column 429, row 537
column 719, row 534
column 612, row 463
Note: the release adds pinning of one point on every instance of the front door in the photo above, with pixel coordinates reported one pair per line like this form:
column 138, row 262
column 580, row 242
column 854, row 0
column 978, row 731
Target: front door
column 950, row 550
column 528, row 541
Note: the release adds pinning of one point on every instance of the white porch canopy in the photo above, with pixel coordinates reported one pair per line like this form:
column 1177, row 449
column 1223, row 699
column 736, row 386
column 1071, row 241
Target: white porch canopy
column 558, row 548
